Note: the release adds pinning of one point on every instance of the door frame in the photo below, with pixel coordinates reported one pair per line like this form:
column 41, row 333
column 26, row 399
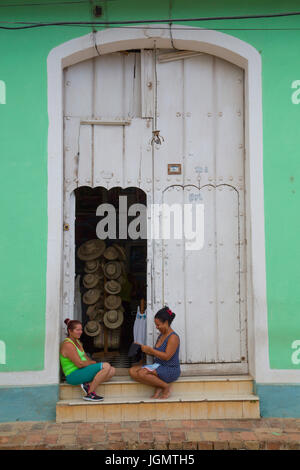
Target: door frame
column 211, row 42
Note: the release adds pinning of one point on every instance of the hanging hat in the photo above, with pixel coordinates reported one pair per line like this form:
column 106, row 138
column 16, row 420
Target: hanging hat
column 91, row 296
column 112, row 302
column 112, row 287
column 95, row 311
column 92, row 328
column 91, row 266
column 111, row 253
column 112, row 269
column 91, row 249
column 121, row 251
column 113, row 319
column 90, row 281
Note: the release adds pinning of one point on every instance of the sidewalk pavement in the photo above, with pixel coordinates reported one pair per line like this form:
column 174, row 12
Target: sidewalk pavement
column 257, row 434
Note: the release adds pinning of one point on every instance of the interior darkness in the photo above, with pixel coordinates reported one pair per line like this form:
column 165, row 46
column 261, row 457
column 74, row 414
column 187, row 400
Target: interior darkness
column 87, row 201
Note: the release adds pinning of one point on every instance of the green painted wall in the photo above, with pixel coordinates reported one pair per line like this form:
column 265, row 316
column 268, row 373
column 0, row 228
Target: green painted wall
column 23, row 159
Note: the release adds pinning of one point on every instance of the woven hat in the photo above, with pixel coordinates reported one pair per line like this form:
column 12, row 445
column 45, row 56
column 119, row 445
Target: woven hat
column 121, row 252
column 91, row 266
column 113, row 319
column 112, row 287
column 91, row 296
column 90, row 280
column 91, row 249
column 112, row 269
column 92, row 328
column 96, row 312
column 112, row 302
column 111, row 253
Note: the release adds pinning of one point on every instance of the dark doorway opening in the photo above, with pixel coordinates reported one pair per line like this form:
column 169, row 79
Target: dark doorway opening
column 122, row 261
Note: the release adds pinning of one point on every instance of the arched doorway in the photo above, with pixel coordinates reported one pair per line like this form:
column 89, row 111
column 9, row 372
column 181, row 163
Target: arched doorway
column 210, row 42
column 172, row 124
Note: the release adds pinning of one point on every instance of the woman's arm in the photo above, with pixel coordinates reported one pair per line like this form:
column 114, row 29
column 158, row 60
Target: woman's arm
column 172, row 345
column 69, row 351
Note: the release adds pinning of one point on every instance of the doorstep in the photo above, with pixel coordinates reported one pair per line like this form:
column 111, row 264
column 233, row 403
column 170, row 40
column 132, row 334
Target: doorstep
column 210, row 397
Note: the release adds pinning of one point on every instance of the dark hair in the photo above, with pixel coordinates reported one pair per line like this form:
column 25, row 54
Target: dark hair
column 165, row 314
column 71, row 324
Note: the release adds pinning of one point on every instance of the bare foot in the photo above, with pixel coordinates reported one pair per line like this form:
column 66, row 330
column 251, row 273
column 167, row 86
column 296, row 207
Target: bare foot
column 157, row 393
column 166, row 394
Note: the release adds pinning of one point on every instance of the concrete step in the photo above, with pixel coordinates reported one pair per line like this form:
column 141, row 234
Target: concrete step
column 227, row 397
column 125, row 386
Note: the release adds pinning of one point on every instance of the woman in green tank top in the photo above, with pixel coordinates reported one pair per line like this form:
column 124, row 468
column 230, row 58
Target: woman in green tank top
column 78, row 368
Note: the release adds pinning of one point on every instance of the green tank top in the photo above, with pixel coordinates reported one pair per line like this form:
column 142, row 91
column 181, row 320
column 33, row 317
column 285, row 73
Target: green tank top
column 67, row 365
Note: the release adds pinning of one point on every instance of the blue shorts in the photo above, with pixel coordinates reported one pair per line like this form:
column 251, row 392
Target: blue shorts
column 85, row 374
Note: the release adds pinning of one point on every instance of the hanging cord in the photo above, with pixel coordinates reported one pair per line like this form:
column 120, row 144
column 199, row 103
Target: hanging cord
column 157, row 138
column 94, row 31
column 171, row 37
column 94, row 40
column 170, row 26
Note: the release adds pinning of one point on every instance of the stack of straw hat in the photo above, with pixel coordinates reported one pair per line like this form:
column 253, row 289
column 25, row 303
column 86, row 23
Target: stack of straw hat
column 104, row 275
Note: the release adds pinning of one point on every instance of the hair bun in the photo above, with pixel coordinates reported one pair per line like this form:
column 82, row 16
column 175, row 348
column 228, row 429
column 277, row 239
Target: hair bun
column 67, row 321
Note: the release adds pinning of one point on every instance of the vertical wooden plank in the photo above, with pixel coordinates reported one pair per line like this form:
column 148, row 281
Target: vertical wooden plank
column 108, row 155
column 229, row 170
column 230, row 121
column 227, row 277
column 78, row 90
column 173, row 263
column 169, row 121
column 147, row 83
column 109, row 87
column 199, row 128
column 71, row 149
column 132, row 86
column 85, row 170
column 200, row 282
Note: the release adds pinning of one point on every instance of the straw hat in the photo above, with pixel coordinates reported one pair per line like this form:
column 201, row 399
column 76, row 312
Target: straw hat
column 112, row 287
column 112, row 302
column 113, row 319
column 91, row 249
column 91, row 296
column 111, row 253
column 90, row 280
column 92, row 328
column 91, row 266
column 112, row 269
column 121, row 252
column 95, row 312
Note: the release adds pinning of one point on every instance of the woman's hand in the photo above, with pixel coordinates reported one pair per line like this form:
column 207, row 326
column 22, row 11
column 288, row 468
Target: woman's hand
column 146, row 349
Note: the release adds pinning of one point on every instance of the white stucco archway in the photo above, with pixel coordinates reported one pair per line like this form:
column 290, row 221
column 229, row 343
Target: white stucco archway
column 211, row 42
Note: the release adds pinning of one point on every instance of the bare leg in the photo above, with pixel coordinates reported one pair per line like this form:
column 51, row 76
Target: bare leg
column 133, row 372
column 105, row 374
column 157, row 392
column 151, row 378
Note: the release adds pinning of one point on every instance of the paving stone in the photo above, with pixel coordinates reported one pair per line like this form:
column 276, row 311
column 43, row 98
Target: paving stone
column 146, row 436
column 204, row 445
column 221, row 445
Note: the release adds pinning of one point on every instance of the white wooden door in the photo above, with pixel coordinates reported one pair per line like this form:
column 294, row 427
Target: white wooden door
column 113, row 103
column 200, row 114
